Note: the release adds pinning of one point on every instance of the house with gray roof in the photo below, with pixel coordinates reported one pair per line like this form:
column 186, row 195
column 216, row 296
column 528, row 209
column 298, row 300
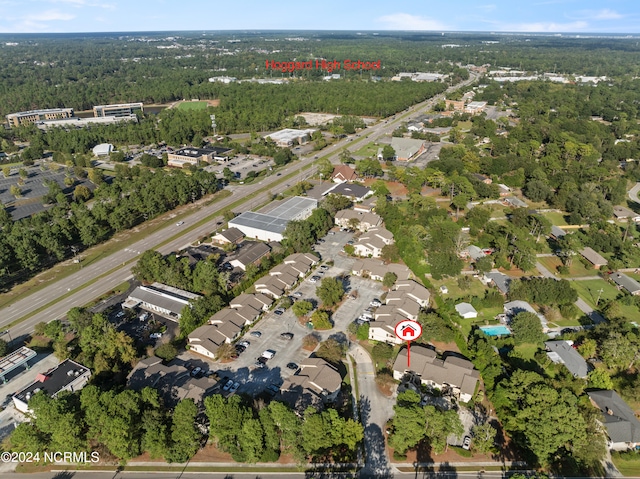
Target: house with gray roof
column 473, row 252
column 627, row 283
column 160, row 298
column 499, row 280
column 453, row 374
column 316, row 383
column 351, row 190
column 228, row 236
column 562, row 352
column 412, row 290
column 593, row 257
column 376, row 269
column 514, row 202
column 250, row 252
column 557, row 232
column 466, row 310
column 407, row 149
column 623, row 427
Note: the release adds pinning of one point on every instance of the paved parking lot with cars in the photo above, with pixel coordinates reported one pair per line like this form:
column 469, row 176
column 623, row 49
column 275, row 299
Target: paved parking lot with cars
column 281, row 332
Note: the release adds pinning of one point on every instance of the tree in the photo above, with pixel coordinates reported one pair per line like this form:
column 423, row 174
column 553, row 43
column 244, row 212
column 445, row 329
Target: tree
column 588, row 348
column 185, row 436
column 166, row 351
column 302, row 308
column 409, row 422
column 330, row 291
column 484, row 436
column 332, row 351
column 334, row 203
column 599, row 379
column 390, row 253
column 299, row 236
column 15, row 190
column 81, row 193
column 483, row 265
column 388, row 153
column 320, row 320
column 526, row 328
column 3, row 348
column 324, row 168
column 389, row 279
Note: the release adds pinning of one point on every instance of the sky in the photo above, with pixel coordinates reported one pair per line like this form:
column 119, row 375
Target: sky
column 549, row 16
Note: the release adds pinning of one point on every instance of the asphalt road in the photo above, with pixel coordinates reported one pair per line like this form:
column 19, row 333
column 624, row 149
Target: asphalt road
column 79, row 293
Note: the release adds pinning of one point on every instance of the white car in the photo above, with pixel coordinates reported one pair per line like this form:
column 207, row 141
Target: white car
column 155, row 335
column 234, row 388
column 179, row 223
column 228, row 385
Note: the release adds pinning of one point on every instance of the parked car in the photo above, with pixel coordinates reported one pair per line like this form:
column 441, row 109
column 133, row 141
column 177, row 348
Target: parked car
column 234, row 388
column 228, row 385
column 255, row 334
column 240, row 349
column 268, row 354
column 298, row 294
column 279, row 311
column 155, row 335
column 273, row 388
column 287, row 336
column 375, row 303
column 179, row 223
column 324, row 267
column 260, row 364
column 466, row 443
column 244, row 343
column 292, row 366
column 195, row 371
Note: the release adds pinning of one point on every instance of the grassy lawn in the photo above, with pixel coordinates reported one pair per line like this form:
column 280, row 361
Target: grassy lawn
column 464, row 125
column 576, row 270
column 527, row 351
column 367, row 150
column 556, row 219
column 589, row 291
column 476, row 288
column 193, row 105
column 627, row 468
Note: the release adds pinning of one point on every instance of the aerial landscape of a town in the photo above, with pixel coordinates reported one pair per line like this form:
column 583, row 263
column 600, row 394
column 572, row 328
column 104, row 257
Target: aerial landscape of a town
column 240, row 246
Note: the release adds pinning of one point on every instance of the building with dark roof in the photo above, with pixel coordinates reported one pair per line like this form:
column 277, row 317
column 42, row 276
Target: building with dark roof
column 627, row 283
column 228, row 237
column 315, row 383
column 499, row 280
column 250, row 252
column 623, row 428
column 454, row 374
column 351, row 190
column 562, row 352
column 66, row 376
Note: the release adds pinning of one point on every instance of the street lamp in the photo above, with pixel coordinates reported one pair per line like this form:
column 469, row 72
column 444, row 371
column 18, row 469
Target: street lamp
column 8, row 333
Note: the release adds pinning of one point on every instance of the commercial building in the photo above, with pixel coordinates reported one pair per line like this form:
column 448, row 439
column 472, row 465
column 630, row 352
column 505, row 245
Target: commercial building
column 160, row 298
column 228, row 237
column 76, row 122
column 19, row 357
column 66, row 376
column 407, row 149
column 289, row 137
column 195, row 156
column 119, row 109
column 103, row 149
column 33, row 116
column 452, row 375
column 270, row 226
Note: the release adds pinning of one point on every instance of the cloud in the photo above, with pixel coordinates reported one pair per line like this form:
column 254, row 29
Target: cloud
column 406, row 21
column 606, row 14
column 48, row 16
column 84, row 3
column 546, row 27
column 487, row 8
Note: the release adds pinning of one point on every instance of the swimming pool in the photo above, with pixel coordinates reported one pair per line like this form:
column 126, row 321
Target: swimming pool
column 497, row 330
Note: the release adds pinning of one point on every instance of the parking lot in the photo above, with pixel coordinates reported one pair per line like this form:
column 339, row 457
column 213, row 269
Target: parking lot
column 254, row 380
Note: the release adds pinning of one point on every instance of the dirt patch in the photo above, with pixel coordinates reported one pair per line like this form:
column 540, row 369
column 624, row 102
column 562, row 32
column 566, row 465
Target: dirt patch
column 442, row 347
column 215, row 102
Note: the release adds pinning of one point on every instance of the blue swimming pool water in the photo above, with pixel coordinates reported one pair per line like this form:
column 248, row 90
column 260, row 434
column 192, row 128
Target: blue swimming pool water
column 498, row 330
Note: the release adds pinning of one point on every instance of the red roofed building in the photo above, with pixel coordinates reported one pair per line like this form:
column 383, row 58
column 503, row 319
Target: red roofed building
column 343, row 173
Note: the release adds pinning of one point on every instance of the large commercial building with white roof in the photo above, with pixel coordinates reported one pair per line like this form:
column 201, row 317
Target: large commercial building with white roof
column 290, row 136
column 270, row 226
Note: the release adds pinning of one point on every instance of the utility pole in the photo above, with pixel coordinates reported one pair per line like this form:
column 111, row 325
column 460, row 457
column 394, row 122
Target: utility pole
column 599, row 293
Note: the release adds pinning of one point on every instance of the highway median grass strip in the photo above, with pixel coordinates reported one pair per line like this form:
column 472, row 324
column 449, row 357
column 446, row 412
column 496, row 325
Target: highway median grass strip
column 131, row 240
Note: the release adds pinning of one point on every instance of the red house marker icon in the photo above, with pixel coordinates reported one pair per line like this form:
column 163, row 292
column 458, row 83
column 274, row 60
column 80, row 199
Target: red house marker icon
column 408, row 330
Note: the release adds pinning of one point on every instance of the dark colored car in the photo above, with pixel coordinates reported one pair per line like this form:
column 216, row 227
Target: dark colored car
column 292, row 366
column 287, row 336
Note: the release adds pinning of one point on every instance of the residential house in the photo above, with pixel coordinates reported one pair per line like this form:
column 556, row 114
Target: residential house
column 411, row 290
column 563, row 352
column 173, row 382
column 364, row 221
column 474, row 252
column 482, row 178
column 623, row 427
column 515, row 307
column 557, row 233
column 257, row 301
column 596, row 259
column 627, row 283
column 383, row 328
column 466, row 310
column 316, row 383
column 514, row 202
column 499, row 280
column 206, row 340
column 452, row 374
column 271, row 286
column 367, row 205
column 250, row 252
column 353, row 191
column 372, row 242
column 622, row 213
column 406, row 309
column 343, row 173
column 504, row 190
column 376, row 269
column 228, row 237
